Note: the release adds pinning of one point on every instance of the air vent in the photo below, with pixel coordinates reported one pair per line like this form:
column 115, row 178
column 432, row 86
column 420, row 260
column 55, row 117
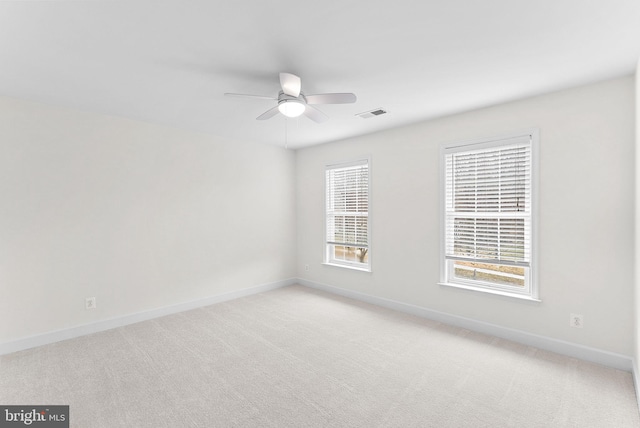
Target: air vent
column 371, row 113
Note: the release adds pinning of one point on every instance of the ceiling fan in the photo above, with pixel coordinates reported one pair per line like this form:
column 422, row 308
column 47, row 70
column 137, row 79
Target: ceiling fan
column 292, row 102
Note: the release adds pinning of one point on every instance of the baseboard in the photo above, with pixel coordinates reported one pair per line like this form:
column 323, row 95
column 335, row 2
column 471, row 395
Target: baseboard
column 574, row 350
column 586, row 353
column 70, row 333
column 636, row 380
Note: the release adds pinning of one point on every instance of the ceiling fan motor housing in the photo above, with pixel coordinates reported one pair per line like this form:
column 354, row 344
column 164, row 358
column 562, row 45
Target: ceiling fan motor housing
column 283, row 98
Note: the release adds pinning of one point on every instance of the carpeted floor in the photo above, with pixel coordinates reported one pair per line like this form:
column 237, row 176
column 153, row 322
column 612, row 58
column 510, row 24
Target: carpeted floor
column 297, row 357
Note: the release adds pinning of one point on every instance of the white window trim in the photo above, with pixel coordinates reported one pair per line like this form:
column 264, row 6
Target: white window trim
column 533, row 294
column 346, row 264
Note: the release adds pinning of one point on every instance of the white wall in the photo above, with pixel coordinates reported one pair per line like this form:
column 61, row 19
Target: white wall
column 636, row 300
column 143, row 216
column 137, row 215
column 586, row 214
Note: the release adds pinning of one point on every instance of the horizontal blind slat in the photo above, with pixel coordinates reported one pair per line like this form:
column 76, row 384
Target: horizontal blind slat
column 488, row 198
column 347, row 204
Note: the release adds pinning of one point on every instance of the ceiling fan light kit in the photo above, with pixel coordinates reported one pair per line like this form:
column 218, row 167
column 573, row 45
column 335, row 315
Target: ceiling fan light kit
column 291, row 108
column 292, row 102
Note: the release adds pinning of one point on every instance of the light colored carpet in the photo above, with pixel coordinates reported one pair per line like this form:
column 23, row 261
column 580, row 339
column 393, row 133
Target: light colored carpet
column 297, row 357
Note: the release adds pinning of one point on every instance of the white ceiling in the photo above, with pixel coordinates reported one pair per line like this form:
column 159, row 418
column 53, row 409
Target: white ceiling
column 169, row 62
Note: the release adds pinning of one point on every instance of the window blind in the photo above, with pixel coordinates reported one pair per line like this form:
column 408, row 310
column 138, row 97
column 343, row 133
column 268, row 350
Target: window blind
column 488, row 202
column 347, row 204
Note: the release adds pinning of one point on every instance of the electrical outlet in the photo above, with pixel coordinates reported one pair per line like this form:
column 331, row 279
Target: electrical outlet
column 90, row 303
column 576, row 321
column 306, row 268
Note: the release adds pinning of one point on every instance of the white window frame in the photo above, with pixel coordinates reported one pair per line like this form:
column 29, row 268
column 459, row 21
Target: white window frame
column 530, row 290
column 329, row 258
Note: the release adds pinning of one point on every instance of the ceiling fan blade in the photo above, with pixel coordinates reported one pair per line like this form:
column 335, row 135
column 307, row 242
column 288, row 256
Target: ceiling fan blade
column 268, row 114
column 260, row 97
column 315, row 114
column 340, row 98
column 291, row 84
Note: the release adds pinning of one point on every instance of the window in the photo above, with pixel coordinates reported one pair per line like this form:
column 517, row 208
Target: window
column 347, row 215
column 488, row 204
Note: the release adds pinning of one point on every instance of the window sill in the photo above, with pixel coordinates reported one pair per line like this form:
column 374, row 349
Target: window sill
column 491, row 291
column 367, row 269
